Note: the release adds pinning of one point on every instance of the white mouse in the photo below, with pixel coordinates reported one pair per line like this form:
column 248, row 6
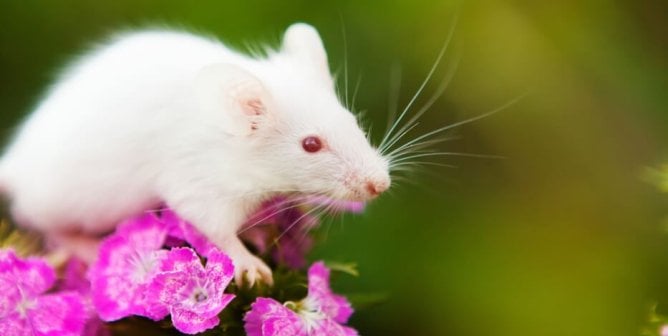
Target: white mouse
column 163, row 116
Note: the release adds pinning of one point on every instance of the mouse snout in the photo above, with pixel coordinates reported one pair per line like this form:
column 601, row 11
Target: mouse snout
column 375, row 186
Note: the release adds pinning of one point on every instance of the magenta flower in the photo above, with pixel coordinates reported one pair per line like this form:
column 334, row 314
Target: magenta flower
column 182, row 230
column 127, row 262
column 320, row 313
column 75, row 279
column 269, row 317
column 194, row 294
column 26, row 310
column 281, row 227
column 321, row 297
column 134, row 275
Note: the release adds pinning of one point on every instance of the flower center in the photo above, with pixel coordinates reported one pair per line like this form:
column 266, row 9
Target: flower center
column 200, row 296
column 143, row 266
column 25, row 305
column 310, row 313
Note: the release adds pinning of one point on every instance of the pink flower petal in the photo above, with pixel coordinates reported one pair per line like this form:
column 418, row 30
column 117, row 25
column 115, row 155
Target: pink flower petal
column 182, row 259
column 75, row 277
column 268, row 317
column 14, row 325
column 127, row 263
column 31, row 312
column 348, row 331
column 9, row 288
column 172, row 287
column 58, row 314
column 10, row 297
column 7, row 258
column 219, row 271
column 75, row 280
column 54, row 314
column 194, row 294
column 329, row 327
column 181, row 229
column 96, row 327
column 34, row 275
column 190, row 322
column 320, row 313
column 281, row 227
column 335, row 306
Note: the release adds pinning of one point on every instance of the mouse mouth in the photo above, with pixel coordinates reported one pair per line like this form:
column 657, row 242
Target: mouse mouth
column 337, row 205
column 334, row 201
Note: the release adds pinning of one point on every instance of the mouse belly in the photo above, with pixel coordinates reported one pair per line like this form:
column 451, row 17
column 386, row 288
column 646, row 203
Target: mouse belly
column 94, row 215
column 62, row 204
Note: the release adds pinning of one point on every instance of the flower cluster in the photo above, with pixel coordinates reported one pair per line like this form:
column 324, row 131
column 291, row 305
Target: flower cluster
column 280, row 229
column 136, row 275
column 27, row 307
column 158, row 266
column 320, row 313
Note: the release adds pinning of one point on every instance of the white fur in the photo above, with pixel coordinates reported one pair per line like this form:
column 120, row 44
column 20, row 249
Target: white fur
column 170, row 116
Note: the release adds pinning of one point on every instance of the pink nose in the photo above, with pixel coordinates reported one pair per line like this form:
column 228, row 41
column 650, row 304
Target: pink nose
column 375, row 188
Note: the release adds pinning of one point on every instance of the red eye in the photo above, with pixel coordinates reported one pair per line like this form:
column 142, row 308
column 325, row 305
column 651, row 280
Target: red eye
column 312, row 144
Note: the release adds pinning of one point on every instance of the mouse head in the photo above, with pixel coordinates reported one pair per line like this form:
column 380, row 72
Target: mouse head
column 285, row 107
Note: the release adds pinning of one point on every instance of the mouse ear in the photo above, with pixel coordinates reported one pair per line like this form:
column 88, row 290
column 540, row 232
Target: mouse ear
column 302, row 40
column 235, row 95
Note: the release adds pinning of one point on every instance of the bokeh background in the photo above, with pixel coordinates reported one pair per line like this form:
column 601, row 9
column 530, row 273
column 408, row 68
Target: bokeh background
column 565, row 236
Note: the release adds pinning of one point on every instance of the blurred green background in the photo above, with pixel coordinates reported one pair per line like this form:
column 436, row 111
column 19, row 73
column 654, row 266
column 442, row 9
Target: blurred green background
column 563, row 237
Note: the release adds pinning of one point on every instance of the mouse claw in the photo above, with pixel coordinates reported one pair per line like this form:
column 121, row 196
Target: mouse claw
column 238, row 277
column 250, row 278
column 265, row 274
column 249, row 269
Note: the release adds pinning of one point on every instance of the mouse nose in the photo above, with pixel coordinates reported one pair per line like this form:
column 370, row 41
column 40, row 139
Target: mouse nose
column 376, row 187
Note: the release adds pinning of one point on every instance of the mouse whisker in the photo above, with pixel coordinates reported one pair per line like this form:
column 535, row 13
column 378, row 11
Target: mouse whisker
column 423, row 169
column 408, row 166
column 393, row 97
column 413, row 121
column 307, row 230
column 294, row 203
column 472, row 155
column 345, row 62
column 396, row 138
column 292, row 192
column 307, row 213
column 355, row 90
column 440, row 90
column 247, row 227
column 465, row 121
column 328, row 222
column 421, row 87
column 418, row 146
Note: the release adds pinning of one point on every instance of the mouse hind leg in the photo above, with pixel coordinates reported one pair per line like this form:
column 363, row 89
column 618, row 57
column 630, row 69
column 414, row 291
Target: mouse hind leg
column 64, row 246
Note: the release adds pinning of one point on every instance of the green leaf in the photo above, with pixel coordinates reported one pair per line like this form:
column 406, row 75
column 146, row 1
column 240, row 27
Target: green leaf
column 348, row 268
column 366, row 300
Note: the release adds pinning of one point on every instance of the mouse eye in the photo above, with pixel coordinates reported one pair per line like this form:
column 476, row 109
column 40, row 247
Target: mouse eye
column 312, row 144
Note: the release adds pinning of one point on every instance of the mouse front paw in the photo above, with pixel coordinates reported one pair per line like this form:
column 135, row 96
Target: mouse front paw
column 248, row 269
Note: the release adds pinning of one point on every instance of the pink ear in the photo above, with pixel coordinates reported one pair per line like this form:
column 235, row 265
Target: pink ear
column 233, row 95
column 254, row 107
